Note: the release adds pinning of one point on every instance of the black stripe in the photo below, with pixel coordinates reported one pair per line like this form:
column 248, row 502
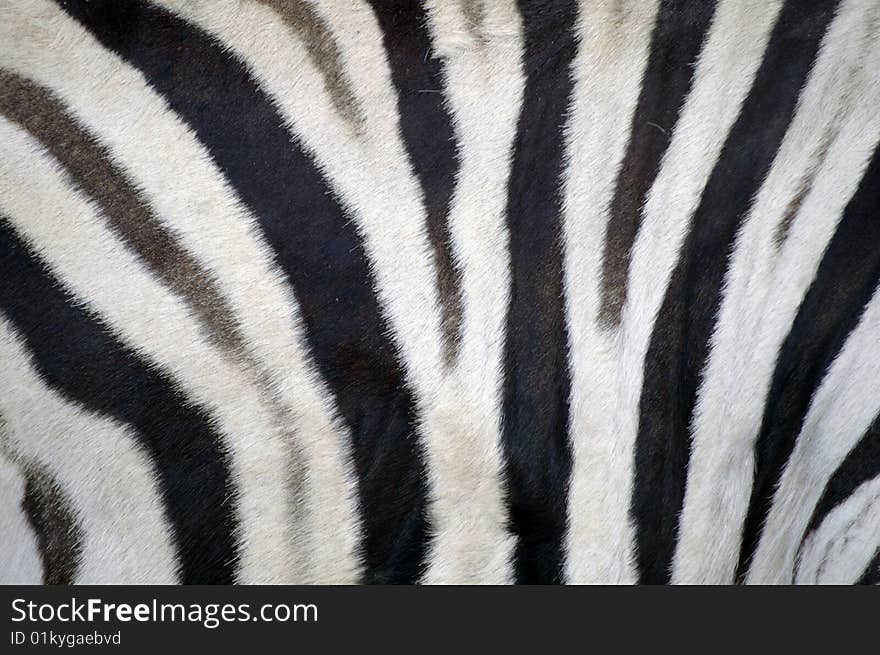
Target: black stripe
column 78, row 357
column 536, row 387
column 680, row 341
column 315, row 244
column 871, row 576
column 845, row 281
column 426, row 127
column 860, row 465
column 679, row 32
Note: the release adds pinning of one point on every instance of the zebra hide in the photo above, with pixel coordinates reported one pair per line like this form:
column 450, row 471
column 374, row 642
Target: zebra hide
column 439, row 291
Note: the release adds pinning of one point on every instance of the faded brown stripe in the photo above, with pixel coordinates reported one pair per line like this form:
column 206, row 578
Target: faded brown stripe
column 54, row 521
column 807, row 180
column 847, row 103
column 321, row 46
column 475, row 14
column 127, row 212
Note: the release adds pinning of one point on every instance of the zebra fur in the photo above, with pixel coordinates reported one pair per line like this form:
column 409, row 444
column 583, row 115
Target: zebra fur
column 398, row 291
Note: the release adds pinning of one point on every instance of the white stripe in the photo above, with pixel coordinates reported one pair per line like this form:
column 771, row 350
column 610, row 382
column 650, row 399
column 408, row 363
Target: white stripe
column 607, row 72
column 484, row 85
column 192, row 197
column 841, row 411
column 104, row 473
column 842, row 547
column 71, row 237
column 763, row 291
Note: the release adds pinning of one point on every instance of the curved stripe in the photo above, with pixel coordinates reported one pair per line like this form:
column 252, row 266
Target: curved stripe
column 725, row 70
column 680, row 343
column 426, row 127
column 536, row 385
column 126, row 209
column 78, row 357
column 860, row 465
column 67, row 232
column 177, row 175
column 129, row 215
column 465, row 538
column 854, row 47
column 762, row 290
column 833, row 307
column 320, row 253
column 321, row 45
column 841, row 410
column 840, row 550
column 108, row 476
column 371, row 178
column 401, row 259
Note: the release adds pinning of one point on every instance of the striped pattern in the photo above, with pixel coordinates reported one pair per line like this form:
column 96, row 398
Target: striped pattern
column 533, row 291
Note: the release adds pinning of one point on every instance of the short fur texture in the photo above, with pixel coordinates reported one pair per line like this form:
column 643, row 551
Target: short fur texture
column 422, row 291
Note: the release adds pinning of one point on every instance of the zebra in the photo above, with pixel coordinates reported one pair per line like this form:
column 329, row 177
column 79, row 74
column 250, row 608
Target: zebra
column 429, row 291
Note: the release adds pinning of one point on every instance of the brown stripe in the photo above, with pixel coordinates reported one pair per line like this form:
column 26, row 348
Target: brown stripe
column 59, row 536
column 321, row 46
column 807, row 179
column 127, row 212
column 828, row 138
